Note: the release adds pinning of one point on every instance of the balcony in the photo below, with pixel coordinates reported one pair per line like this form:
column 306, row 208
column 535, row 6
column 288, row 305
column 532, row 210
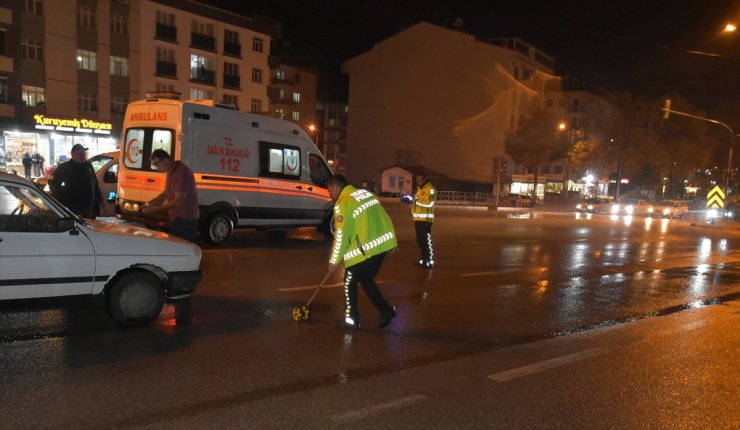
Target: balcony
column 283, row 81
column 7, row 110
column 232, row 81
column 166, row 69
column 6, row 64
column 166, row 32
column 202, row 75
column 201, row 41
column 232, row 49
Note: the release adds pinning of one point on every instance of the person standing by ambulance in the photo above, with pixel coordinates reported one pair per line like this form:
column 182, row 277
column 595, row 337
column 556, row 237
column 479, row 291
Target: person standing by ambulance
column 180, row 197
column 422, row 212
column 363, row 236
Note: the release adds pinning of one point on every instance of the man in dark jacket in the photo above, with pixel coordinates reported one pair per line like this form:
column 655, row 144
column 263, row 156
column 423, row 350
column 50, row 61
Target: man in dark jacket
column 74, row 184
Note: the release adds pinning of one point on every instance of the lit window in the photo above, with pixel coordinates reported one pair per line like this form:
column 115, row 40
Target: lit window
column 32, row 96
column 196, row 94
column 86, row 60
column 296, row 116
column 279, row 112
column 280, row 74
column 296, row 97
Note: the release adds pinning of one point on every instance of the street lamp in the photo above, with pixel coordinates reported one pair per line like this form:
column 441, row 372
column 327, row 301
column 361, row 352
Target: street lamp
column 729, row 28
column 315, row 131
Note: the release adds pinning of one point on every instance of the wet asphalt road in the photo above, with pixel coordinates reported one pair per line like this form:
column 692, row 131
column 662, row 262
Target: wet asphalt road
column 596, row 300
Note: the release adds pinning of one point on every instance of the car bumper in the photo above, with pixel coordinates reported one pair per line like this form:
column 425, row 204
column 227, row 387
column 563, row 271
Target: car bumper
column 183, row 282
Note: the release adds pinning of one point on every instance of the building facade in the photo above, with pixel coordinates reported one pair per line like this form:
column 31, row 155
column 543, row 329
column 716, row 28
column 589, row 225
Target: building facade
column 68, row 84
column 332, row 134
column 438, row 97
column 292, row 94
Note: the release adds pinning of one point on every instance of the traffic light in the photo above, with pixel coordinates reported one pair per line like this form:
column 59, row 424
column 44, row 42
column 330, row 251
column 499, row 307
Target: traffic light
column 666, row 108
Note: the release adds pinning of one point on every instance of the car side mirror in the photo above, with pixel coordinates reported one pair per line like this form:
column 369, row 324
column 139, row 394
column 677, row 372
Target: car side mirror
column 109, row 177
column 65, row 224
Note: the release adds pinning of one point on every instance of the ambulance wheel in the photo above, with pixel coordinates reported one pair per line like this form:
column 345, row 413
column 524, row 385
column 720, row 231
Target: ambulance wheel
column 135, row 298
column 217, row 229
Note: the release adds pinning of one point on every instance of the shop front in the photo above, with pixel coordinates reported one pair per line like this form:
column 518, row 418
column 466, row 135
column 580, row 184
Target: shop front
column 52, row 139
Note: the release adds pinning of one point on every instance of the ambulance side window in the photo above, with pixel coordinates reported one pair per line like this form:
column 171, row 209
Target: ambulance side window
column 141, row 142
column 280, row 161
column 320, row 173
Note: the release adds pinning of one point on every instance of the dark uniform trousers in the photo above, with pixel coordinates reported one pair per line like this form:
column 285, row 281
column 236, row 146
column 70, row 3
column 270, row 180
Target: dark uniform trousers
column 424, row 240
column 364, row 273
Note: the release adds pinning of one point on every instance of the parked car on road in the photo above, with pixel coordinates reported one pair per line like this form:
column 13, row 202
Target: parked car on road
column 632, row 207
column 595, row 205
column 46, row 252
column 671, row 208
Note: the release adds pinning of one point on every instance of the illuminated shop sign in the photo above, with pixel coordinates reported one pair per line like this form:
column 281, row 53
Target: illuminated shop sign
column 77, row 125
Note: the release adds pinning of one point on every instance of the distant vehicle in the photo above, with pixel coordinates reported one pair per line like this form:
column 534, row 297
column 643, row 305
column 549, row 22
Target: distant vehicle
column 106, row 171
column 52, row 257
column 632, row 207
column 671, row 208
column 595, row 205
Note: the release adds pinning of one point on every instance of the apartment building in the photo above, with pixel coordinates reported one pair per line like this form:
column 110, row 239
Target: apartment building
column 331, row 119
column 292, row 94
column 440, row 98
column 68, row 84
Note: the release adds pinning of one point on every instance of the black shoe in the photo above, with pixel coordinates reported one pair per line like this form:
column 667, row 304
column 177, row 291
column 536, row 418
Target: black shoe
column 385, row 319
column 349, row 326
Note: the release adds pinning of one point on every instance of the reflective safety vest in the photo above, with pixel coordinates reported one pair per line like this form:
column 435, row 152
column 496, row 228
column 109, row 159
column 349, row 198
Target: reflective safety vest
column 422, row 209
column 362, row 228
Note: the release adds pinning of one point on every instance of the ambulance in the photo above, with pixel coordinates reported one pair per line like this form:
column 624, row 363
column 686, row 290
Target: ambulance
column 250, row 170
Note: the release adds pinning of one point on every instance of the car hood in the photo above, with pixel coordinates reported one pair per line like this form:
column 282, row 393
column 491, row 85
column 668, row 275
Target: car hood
column 126, row 239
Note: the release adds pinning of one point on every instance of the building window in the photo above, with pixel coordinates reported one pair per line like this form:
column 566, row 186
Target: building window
column 231, row 69
column 119, row 24
column 280, row 74
column 85, row 17
column 33, row 7
column 3, row 43
column 3, row 90
column 201, row 69
column 256, row 106
column 332, row 122
column 280, row 112
column 117, row 105
column 296, row 116
column 231, row 37
column 576, row 105
column 32, row 50
column 86, row 60
column 166, row 55
column 119, row 66
column 257, row 76
column 201, row 28
column 296, row 97
column 162, row 87
column 32, row 96
column 196, row 94
column 230, row 99
column 256, row 44
column 87, row 103
column 165, row 18
column 281, row 94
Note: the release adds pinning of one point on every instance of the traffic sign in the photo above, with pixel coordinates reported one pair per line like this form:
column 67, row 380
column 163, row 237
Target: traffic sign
column 716, row 198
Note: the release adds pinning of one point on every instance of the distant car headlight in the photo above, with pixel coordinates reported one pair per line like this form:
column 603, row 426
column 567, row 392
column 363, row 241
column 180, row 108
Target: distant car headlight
column 590, row 207
column 578, row 206
column 712, row 213
column 615, row 209
column 666, row 211
column 629, row 209
column 650, row 210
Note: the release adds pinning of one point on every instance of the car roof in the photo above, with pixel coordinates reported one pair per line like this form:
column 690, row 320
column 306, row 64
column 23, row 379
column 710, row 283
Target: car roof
column 10, row 177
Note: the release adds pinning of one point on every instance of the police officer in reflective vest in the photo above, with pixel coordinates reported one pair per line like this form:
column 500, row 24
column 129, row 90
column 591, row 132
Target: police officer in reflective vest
column 363, row 236
column 422, row 212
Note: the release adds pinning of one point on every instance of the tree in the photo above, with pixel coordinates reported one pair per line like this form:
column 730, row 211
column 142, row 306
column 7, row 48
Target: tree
column 536, row 143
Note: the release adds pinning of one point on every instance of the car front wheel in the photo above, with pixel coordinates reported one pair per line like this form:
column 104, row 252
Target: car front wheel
column 135, row 298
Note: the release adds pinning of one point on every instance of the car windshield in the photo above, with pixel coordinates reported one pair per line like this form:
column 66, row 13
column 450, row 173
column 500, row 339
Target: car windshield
column 629, row 202
column 99, row 161
column 665, row 203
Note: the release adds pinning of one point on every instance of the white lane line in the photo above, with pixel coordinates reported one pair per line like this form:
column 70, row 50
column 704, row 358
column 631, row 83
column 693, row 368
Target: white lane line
column 695, row 325
column 311, row 287
column 546, row 365
column 359, row 414
column 496, row 272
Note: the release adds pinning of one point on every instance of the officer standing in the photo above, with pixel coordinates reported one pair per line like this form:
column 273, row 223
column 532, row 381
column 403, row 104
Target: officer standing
column 74, row 184
column 364, row 234
column 422, row 212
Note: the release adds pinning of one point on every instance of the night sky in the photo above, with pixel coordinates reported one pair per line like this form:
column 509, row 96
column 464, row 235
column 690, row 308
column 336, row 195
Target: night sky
column 639, row 46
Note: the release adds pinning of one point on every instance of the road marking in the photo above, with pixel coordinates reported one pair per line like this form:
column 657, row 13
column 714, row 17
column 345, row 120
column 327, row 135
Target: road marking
column 695, row 325
column 496, row 272
column 546, row 365
column 402, row 402
column 311, row 287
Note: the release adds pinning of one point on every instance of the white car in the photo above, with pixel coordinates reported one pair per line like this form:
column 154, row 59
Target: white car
column 632, row 207
column 594, row 205
column 46, row 252
column 671, row 208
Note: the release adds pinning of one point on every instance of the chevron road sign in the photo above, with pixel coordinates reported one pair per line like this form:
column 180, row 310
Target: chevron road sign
column 716, row 198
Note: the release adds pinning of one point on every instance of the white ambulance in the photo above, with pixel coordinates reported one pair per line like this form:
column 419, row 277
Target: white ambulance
column 250, row 170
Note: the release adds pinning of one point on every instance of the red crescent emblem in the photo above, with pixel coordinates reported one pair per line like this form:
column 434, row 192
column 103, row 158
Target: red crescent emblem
column 128, row 150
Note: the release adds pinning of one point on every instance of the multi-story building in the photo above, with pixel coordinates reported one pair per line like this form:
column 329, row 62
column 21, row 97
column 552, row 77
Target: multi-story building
column 292, row 93
column 77, row 63
column 332, row 133
column 440, row 98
